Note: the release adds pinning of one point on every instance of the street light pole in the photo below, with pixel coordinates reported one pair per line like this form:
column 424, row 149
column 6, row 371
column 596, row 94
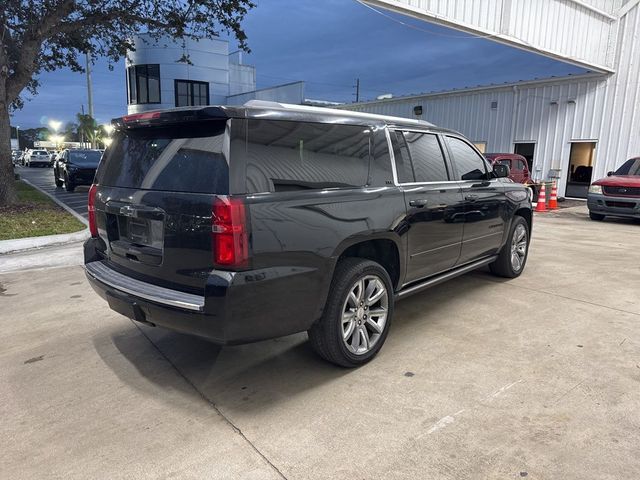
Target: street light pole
column 89, row 87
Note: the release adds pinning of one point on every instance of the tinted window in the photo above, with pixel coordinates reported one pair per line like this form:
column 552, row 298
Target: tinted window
column 188, row 158
column 380, row 172
column 404, row 170
column 504, row 161
column 520, row 165
column 425, row 157
column 88, row 158
column 144, row 84
column 190, row 93
column 630, row 167
column 469, row 164
column 282, row 156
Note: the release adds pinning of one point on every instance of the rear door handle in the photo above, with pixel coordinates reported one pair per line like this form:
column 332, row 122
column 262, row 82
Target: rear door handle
column 419, row 203
column 471, row 198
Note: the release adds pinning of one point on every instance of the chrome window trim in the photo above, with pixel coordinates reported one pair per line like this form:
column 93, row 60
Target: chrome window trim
column 154, row 293
column 392, row 156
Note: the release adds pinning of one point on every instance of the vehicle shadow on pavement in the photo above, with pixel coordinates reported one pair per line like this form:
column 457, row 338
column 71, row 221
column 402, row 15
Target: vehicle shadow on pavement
column 247, row 377
column 262, row 375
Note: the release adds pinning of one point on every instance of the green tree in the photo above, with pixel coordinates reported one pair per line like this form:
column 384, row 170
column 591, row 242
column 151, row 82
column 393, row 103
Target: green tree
column 46, row 35
column 87, row 128
column 70, row 132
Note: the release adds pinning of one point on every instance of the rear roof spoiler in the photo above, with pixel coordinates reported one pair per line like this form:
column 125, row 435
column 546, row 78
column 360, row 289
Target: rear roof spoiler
column 168, row 117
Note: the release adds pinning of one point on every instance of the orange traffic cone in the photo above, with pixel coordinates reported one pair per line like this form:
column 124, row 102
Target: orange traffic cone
column 553, row 198
column 541, row 206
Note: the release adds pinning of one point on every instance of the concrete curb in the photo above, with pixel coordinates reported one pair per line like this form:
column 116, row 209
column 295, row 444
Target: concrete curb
column 68, row 209
column 21, row 244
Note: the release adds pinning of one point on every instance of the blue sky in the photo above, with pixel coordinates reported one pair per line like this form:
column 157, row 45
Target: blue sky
column 328, row 44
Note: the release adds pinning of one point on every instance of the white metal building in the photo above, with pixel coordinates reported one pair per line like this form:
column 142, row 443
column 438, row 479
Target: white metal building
column 560, row 124
column 162, row 73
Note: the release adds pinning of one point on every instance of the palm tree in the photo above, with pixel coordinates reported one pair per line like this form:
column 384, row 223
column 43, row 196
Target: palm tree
column 87, row 128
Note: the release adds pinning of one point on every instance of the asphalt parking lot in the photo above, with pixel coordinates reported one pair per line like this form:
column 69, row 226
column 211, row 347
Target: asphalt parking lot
column 537, row 377
column 43, row 178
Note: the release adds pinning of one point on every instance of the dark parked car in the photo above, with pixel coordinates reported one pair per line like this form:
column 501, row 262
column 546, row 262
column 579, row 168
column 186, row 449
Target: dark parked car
column 241, row 224
column 75, row 167
column 617, row 195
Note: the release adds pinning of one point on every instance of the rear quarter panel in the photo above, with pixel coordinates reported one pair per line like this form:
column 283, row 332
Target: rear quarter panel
column 311, row 229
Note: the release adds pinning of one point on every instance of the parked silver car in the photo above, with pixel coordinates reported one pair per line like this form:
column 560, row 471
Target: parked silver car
column 37, row 157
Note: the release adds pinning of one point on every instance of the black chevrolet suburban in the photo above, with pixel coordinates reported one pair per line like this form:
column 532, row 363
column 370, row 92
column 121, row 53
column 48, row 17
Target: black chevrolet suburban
column 246, row 223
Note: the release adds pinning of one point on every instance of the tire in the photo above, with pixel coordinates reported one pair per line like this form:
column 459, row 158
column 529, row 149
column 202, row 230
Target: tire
column 518, row 245
column 326, row 335
column 598, row 217
column 57, row 180
column 68, row 185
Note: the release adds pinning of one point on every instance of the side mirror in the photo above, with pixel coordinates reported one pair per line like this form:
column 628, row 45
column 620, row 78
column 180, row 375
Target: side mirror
column 501, row 171
column 609, row 174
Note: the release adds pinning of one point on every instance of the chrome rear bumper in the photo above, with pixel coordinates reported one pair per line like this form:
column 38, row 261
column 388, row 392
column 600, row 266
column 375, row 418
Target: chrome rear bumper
column 154, row 293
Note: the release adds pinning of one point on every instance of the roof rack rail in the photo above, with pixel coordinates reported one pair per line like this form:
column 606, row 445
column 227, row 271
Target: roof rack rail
column 334, row 111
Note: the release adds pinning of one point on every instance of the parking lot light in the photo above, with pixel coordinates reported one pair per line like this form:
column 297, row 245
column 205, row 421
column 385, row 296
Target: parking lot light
column 55, row 124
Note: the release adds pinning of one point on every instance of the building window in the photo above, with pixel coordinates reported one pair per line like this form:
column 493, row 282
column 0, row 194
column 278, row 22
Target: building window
column 144, row 84
column 190, row 93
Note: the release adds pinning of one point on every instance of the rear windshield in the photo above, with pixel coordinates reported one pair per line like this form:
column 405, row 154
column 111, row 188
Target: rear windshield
column 630, row 167
column 85, row 158
column 184, row 158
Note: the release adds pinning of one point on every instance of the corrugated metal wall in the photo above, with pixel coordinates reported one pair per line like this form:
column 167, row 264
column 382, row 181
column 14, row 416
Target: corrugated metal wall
column 576, row 30
column 620, row 119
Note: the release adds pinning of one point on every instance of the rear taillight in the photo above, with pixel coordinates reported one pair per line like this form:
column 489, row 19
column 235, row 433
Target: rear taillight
column 91, row 207
column 229, row 232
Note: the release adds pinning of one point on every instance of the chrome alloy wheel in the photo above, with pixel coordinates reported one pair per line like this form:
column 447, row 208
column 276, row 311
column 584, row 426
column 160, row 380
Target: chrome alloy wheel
column 364, row 314
column 518, row 248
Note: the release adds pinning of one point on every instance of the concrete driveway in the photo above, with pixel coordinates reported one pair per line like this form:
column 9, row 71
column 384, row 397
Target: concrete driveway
column 480, row 378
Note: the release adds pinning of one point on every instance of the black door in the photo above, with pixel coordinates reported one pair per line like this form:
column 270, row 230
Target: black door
column 526, row 150
column 484, row 202
column 435, row 210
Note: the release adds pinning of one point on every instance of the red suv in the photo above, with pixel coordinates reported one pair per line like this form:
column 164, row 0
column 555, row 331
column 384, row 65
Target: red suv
column 618, row 194
column 519, row 170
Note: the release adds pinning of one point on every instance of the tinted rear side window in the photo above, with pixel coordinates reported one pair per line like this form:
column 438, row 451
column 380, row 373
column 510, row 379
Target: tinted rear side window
column 404, row 169
column 425, row 157
column 286, row 156
column 186, row 158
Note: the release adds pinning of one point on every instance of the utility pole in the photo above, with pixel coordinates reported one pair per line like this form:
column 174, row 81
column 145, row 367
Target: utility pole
column 81, row 131
column 89, row 87
column 357, row 87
